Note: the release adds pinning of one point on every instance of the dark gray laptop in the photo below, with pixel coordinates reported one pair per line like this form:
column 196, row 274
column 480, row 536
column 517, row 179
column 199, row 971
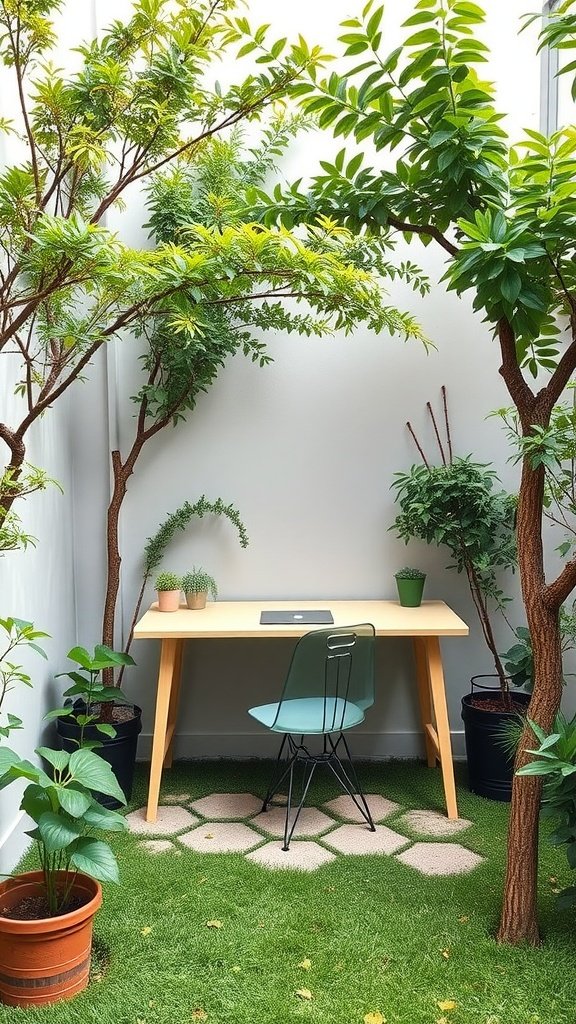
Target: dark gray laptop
column 286, row 618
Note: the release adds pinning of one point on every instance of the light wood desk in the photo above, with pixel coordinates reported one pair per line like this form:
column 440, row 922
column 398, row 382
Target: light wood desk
column 224, row 619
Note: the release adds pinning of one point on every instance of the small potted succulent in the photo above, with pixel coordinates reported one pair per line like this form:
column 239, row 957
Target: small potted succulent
column 410, row 583
column 196, row 586
column 168, row 586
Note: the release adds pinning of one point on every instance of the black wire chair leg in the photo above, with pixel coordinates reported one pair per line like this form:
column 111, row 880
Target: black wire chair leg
column 349, row 780
column 289, row 829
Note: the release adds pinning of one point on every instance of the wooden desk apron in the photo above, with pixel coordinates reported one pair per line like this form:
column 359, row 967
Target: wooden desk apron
column 229, row 619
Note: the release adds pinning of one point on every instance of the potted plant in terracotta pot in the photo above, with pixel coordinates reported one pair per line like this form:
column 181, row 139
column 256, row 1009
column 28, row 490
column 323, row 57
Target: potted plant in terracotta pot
column 168, row 586
column 196, row 586
column 410, row 584
column 100, row 715
column 46, row 916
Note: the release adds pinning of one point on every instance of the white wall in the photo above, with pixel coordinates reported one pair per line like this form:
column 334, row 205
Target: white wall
column 307, row 448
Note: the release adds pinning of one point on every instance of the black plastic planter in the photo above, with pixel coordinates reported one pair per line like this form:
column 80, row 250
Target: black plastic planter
column 490, row 765
column 119, row 751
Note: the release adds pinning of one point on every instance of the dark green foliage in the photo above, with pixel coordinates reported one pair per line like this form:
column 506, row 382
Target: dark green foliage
column 457, row 507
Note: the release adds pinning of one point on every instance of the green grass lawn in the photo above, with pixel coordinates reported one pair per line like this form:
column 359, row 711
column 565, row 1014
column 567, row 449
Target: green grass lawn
column 380, row 937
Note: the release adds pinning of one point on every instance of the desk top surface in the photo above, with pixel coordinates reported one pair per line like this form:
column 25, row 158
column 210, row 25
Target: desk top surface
column 242, row 619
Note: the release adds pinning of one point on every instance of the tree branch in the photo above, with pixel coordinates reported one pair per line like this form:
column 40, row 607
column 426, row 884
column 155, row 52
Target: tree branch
column 424, row 229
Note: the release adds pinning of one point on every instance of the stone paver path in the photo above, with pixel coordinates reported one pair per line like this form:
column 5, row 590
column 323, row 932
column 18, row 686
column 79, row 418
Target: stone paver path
column 235, row 823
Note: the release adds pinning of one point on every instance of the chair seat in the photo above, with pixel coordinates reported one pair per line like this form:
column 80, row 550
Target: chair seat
column 309, row 715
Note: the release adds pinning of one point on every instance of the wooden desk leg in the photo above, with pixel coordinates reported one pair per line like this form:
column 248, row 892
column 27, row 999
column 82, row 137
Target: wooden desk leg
column 174, row 699
column 438, row 694
column 424, row 698
column 168, row 658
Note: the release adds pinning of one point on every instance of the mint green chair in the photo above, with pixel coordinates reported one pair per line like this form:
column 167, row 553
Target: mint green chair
column 329, row 686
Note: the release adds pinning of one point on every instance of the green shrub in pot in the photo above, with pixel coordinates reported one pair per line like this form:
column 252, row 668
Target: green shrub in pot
column 410, row 583
column 196, row 585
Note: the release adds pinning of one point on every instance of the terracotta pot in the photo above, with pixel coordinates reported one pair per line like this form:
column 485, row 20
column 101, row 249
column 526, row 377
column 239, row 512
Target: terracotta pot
column 196, row 599
column 168, row 600
column 46, row 960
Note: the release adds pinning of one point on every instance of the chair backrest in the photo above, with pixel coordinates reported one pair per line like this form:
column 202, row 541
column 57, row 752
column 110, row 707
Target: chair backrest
column 335, row 665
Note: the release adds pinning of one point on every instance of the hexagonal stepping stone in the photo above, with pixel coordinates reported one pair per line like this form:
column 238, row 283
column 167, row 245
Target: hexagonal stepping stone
column 344, row 807
column 432, row 823
column 311, row 821
column 440, row 858
column 175, row 798
column 158, row 846
column 221, row 837
column 169, row 821
column 302, row 856
column 358, row 839
column 227, row 806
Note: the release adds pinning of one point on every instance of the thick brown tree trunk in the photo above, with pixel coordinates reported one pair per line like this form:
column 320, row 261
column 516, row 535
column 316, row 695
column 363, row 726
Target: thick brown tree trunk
column 519, row 915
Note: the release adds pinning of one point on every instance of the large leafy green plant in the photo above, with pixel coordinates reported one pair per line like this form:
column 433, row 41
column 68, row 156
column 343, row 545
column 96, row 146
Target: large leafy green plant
column 66, row 815
column 61, row 800
column 89, row 696
column 456, row 506
column 503, row 216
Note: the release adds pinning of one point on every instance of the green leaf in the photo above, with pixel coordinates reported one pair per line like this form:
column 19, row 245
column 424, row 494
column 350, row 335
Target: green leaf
column 95, row 858
column 58, row 831
column 57, row 758
column 81, row 656
column 105, row 729
column 75, row 801
column 95, row 774
column 8, row 758
column 102, row 817
column 35, row 801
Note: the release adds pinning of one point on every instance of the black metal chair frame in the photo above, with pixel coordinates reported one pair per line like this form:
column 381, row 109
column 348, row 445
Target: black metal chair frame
column 339, row 658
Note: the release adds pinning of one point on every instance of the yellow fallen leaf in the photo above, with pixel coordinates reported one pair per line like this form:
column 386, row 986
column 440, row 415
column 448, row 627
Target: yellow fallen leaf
column 199, row 1014
column 304, row 993
column 208, row 835
column 446, row 954
column 374, row 1017
column 442, row 1020
column 463, row 919
column 214, row 924
column 305, row 964
column 236, row 969
column 447, row 1004
column 146, row 930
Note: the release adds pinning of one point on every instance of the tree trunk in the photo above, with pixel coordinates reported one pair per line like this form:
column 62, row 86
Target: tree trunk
column 114, row 558
column 519, row 917
column 519, row 921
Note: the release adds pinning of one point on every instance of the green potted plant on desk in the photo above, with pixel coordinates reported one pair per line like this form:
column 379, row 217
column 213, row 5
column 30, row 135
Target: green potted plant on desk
column 196, row 585
column 410, row 584
column 168, row 588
